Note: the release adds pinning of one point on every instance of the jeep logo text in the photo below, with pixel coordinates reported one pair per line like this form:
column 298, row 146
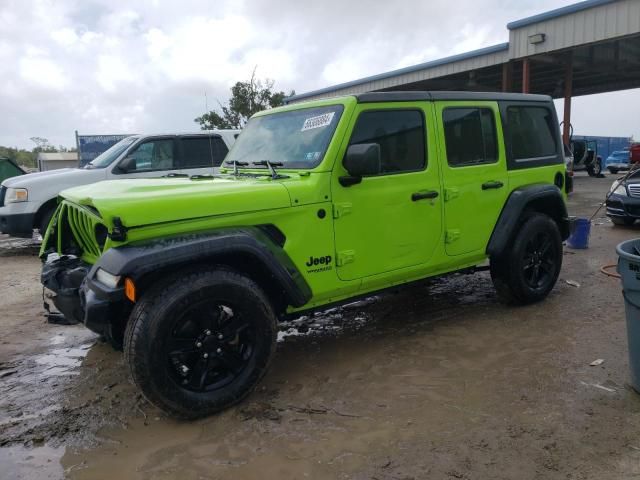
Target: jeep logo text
column 326, row 260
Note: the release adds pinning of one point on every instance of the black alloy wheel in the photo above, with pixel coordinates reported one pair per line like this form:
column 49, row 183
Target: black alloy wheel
column 539, row 261
column 209, row 346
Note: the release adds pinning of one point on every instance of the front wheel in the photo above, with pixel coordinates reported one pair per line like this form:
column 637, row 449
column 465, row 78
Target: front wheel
column 197, row 343
column 529, row 269
column 613, row 171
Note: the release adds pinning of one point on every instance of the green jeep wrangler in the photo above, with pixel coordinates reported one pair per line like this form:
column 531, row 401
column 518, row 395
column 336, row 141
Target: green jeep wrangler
column 320, row 203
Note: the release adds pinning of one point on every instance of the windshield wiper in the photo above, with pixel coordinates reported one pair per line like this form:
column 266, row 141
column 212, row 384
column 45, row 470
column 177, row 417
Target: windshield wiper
column 236, row 164
column 270, row 165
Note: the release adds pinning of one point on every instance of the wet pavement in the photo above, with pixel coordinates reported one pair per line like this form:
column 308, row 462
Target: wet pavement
column 434, row 381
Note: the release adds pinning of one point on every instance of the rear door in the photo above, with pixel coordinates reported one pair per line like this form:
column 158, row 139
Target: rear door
column 201, row 154
column 474, row 173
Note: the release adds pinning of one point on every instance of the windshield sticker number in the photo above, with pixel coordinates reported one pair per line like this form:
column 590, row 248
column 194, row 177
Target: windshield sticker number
column 318, row 121
column 312, row 155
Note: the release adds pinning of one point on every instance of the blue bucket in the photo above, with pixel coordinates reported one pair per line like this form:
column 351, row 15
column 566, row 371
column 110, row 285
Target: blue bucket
column 579, row 229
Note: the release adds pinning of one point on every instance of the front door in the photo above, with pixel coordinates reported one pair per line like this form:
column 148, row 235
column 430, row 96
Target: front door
column 474, row 173
column 391, row 220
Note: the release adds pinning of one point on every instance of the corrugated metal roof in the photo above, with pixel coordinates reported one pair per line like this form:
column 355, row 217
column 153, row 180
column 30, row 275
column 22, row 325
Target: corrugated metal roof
column 558, row 12
column 421, row 66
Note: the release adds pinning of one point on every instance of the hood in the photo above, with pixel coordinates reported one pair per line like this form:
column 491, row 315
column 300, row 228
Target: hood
column 62, row 178
column 154, row 200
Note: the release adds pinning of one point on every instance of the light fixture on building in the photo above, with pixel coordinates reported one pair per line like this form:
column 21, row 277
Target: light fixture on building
column 537, row 38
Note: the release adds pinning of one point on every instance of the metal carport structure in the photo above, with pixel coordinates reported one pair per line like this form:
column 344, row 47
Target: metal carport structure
column 581, row 49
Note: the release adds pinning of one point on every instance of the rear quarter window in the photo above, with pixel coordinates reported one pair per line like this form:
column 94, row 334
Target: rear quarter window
column 532, row 133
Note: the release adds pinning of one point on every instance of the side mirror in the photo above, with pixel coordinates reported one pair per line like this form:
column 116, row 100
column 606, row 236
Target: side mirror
column 127, row 164
column 362, row 160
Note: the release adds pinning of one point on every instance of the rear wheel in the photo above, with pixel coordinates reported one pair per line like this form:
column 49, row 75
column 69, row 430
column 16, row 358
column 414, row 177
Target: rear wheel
column 198, row 343
column 613, row 171
column 529, row 268
column 623, row 221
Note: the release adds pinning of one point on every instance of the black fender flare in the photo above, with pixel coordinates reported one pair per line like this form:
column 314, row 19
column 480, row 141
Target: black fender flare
column 138, row 259
column 544, row 198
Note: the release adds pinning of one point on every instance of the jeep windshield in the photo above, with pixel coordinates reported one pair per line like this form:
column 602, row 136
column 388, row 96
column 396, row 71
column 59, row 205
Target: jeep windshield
column 296, row 139
column 107, row 157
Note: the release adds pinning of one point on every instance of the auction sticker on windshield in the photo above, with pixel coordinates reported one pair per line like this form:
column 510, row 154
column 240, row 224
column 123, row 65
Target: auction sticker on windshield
column 318, row 121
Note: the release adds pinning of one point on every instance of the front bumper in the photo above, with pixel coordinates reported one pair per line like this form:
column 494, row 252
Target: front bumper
column 618, row 166
column 17, row 219
column 81, row 298
column 17, row 225
column 623, row 207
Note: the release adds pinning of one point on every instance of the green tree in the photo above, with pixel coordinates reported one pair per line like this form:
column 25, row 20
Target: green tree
column 246, row 99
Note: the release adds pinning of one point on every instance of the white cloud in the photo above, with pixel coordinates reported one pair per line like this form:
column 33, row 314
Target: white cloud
column 65, row 36
column 42, row 72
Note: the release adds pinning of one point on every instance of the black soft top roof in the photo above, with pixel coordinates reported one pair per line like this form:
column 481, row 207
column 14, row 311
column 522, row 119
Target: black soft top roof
column 416, row 96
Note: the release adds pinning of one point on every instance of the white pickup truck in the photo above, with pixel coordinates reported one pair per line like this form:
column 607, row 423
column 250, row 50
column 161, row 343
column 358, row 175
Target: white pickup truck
column 28, row 202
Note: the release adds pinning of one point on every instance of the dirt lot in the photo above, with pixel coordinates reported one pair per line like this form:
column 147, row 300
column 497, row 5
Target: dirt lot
column 431, row 382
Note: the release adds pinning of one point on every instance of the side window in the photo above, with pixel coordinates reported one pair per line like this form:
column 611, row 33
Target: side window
column 470, row 136
column 400, row 134
column 531, row 133
column 198, row 152
column 153, row 155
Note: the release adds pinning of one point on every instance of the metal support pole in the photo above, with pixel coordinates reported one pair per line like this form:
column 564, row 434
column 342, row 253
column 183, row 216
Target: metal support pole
column 526, row 75
column 507, row 77
column 568, row 92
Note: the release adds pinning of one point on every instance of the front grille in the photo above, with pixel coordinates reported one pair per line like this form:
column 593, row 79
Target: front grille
column 3, row 192
column 74, row 232
column 83, row 226
column 634, row 189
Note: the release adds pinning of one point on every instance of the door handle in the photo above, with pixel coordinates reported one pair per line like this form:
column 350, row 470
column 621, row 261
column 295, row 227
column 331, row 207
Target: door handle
column 423, row 195
column 492, row 184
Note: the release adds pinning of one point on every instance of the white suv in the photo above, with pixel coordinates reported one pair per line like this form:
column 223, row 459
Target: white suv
column 28, row 202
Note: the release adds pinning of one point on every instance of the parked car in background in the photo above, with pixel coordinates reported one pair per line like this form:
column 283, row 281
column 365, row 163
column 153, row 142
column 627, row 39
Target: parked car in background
column 28, row 202
column 623, row 202
column 618, row 160
column 9, row 169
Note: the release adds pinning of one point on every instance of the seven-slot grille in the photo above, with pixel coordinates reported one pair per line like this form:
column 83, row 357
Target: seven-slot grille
column 634, row 189
column 82, row 225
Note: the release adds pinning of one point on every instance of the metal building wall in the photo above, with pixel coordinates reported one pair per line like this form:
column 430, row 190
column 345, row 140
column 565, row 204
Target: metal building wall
column 606, row 21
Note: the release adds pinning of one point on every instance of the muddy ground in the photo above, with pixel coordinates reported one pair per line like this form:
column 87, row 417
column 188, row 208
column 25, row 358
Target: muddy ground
column 439, row 381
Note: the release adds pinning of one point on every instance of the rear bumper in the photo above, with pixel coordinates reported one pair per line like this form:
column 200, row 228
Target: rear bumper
column 623, row 207
column 79, row 296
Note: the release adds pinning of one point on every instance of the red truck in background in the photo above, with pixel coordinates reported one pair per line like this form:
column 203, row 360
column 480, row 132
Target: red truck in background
column 634, row 153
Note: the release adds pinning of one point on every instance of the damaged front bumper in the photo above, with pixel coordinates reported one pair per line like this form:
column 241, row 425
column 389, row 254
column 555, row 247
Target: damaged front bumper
column 79, row 296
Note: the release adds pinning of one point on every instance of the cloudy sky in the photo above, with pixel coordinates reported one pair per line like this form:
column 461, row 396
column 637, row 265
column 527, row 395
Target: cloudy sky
column 116, row 66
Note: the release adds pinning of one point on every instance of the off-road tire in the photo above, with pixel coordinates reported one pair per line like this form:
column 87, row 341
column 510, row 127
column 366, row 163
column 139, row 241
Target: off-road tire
column 509, row 271
column 624, row 221
column 153, row 322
